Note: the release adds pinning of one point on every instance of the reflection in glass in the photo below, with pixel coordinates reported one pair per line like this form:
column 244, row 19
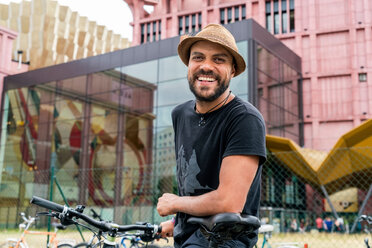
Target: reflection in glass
column 147, row 71
column 278, row 96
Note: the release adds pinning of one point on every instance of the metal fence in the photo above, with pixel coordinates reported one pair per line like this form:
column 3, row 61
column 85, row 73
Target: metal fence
column 310, row 198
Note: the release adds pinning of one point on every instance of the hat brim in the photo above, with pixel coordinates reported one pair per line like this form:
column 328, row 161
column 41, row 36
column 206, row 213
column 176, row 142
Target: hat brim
column 184, row 52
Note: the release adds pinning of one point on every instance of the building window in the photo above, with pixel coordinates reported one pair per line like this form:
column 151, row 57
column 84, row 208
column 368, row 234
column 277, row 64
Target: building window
column 154, row 31
column 185, row 26
column 276, row 17
column 193, row 23
column 232, row 14
column 268, row 16
column 180, row 25
column 142, row 33
column 150, row 31
column 229, row 15
column 284, row 17
column 362, row 77
column 222, row 16
column 291, row 16
column 280, row 16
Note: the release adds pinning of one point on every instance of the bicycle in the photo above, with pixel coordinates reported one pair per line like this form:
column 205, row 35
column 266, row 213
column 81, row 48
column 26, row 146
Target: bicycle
column 134, row 239
column 27, row 222
column 105, row 232
column 367, row 219
column 266, row 230
column 222, row 227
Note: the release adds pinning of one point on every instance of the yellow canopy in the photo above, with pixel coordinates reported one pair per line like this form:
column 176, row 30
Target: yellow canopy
column 351, row 154
column 293, row 156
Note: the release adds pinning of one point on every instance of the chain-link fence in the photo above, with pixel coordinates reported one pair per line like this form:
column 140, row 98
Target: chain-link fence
column 310, row 198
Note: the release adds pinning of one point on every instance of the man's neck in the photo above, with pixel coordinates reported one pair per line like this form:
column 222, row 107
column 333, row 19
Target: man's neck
column 204, row 107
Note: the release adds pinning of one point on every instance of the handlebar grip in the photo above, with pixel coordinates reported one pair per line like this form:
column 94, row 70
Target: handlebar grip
column 47, row 204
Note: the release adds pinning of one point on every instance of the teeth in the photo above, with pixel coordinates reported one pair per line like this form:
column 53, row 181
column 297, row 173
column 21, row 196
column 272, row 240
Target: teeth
column 206, row 79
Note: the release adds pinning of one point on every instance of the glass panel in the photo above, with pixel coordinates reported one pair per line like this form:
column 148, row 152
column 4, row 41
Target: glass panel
column 137, row 71
column 239, row 84
column 278, row 98
column 163, row 116
column 171, row 68
column 174, row 92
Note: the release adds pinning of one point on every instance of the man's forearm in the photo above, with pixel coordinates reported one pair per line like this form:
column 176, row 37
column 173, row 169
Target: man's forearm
column 207, row 204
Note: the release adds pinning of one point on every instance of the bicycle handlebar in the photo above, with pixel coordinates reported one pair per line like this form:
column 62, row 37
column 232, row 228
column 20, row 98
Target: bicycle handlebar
column 69, row 213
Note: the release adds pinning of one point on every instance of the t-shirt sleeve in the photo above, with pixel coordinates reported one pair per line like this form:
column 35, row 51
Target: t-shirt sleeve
column 246, row 136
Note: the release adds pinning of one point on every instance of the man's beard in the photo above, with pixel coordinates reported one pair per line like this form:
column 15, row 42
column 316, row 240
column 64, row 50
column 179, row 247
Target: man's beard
column 222, row 86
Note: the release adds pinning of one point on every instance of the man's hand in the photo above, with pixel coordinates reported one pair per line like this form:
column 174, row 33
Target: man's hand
column 166, row 203
column 167, row 229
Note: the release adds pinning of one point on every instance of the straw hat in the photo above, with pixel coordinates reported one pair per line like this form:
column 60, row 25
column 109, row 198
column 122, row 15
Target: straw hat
column 213, row 33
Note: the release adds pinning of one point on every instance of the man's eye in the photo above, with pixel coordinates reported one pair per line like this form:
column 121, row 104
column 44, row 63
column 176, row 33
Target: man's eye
column 197, row 58
column 219, row 60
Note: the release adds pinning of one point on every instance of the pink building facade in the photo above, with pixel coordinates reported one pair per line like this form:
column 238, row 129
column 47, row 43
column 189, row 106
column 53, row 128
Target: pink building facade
column 7, row 66
column 333, row 38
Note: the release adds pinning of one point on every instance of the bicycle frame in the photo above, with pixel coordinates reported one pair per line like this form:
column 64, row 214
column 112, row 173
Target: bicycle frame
column 28, row 223
column 266, row 231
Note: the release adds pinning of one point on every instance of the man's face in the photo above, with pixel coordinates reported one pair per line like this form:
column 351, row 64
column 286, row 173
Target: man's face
column 210, row 70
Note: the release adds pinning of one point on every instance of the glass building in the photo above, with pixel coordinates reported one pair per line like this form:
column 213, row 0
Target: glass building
column 99, row 129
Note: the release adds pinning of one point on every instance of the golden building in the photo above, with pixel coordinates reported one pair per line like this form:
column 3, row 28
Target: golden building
column 49, row 33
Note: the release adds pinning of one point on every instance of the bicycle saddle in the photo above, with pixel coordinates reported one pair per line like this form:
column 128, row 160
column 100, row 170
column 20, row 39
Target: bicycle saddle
column 232, row 222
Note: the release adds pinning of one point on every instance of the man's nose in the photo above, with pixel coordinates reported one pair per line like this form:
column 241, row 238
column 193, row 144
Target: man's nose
column 207, row 65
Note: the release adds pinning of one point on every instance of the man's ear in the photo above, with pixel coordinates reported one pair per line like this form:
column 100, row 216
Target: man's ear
column 233, row 70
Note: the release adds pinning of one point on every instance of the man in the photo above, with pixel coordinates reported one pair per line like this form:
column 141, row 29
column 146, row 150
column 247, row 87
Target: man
column 219, row 141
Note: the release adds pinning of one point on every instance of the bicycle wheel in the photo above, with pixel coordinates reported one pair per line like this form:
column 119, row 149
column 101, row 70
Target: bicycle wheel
column 12, row 243
column 82, row 245
column 64, row 245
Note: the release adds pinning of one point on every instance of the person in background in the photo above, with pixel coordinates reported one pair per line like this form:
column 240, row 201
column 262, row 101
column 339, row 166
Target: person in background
column 319, row 224
column 328, row 224
column 219, row 142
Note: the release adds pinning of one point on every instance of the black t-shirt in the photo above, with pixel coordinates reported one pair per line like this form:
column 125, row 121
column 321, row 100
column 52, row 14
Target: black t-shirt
column 236, row 128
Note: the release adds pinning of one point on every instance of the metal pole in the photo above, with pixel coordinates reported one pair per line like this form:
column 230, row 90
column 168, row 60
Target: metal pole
column 329, row 201
column 52, row 166
column 65, row 200
column 362, row 208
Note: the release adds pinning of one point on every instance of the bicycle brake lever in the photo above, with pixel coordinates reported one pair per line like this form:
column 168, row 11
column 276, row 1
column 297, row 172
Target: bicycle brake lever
column 66, row 221
column 52, row 214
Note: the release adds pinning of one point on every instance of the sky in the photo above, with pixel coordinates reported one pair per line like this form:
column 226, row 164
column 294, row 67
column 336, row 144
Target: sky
column 115, row 15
